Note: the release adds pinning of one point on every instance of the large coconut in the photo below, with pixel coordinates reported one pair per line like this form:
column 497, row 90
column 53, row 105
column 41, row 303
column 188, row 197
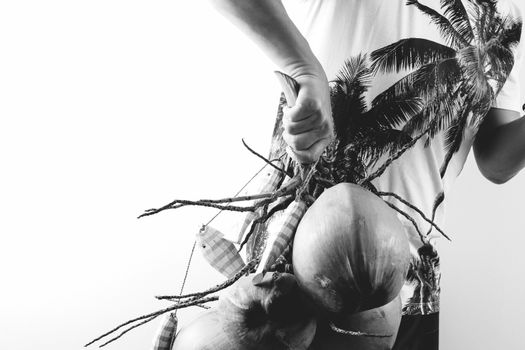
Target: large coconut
column 350, row 251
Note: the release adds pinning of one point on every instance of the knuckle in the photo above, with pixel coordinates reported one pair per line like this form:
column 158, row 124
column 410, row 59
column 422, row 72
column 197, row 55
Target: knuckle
column 308, row 104
column 293, row 129
column 296, row 113
column 302, row 142
column 305, row 156
column 311, row 105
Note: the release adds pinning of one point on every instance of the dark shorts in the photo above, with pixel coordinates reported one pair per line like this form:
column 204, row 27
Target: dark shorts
column 418, row 332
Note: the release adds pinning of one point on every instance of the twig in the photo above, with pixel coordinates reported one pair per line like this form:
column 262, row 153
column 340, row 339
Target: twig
column 218, row 287
column 152, row 315
column 267, row 161
column 239, row 199
column 264, row 216
column 413, row 207
column 279, row 207
column 181, row 202
column 197, row 299
column 409, row 218
column 267, row 198
column 286, row 189
column 236, row 194
column 338, row 330
column 174, row 206
column 128, row 330
column 389, row 161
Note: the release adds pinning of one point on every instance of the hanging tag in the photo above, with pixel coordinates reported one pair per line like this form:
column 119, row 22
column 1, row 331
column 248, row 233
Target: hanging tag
column 166, row 333
column 219, row 252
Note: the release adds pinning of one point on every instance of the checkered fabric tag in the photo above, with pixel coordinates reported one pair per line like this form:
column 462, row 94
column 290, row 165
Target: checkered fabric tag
column 282, row 234
column 166, row 333
column 269, row 180
column 219, row 252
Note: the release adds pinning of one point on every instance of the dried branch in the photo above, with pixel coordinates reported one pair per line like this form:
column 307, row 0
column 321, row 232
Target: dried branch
column 151, row 316
column 267, row 161
column 416, row 209
column 267, row 198
column 261, row 219
column 195, row 299
column 181, row 202
column 279, row 207
column 239, row 199
column 390, row 160
column 128, row 330
column 409, row 218
column 218, row 287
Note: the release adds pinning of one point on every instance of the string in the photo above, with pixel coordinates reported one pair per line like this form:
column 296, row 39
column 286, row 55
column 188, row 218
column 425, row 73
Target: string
column 209, row 222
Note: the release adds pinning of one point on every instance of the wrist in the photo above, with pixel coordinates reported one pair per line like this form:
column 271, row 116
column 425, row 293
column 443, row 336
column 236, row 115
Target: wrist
column 307, row 66
column 302, row 70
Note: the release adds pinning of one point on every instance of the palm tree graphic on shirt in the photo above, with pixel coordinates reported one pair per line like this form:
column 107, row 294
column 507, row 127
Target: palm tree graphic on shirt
column 447, row 88
column 458, row 82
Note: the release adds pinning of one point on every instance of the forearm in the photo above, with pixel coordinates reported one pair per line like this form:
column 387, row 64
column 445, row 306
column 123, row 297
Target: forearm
column 307, row 125
column 500, row 148
column 268, row 25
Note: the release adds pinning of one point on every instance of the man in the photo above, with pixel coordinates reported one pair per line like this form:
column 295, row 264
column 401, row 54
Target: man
column 444, row 73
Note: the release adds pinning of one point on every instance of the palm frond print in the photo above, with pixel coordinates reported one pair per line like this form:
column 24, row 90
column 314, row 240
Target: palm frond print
column 447, row 88
column 458, row 81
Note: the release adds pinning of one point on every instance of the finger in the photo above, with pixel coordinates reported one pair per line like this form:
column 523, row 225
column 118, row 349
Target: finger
column 305, row 140
column 302, row 110
column 310, row 155
column 310, row 123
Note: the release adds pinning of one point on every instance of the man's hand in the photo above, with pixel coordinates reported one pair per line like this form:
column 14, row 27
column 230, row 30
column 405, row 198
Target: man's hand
column 308, row 125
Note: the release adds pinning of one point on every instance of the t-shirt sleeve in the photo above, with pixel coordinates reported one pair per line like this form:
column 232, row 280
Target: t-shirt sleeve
column 510, row 95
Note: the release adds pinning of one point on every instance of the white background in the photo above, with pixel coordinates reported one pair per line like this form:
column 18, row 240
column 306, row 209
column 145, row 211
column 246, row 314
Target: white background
column 112, row 107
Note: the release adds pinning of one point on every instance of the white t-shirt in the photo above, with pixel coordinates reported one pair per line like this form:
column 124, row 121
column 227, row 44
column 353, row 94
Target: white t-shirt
column 339, row 30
